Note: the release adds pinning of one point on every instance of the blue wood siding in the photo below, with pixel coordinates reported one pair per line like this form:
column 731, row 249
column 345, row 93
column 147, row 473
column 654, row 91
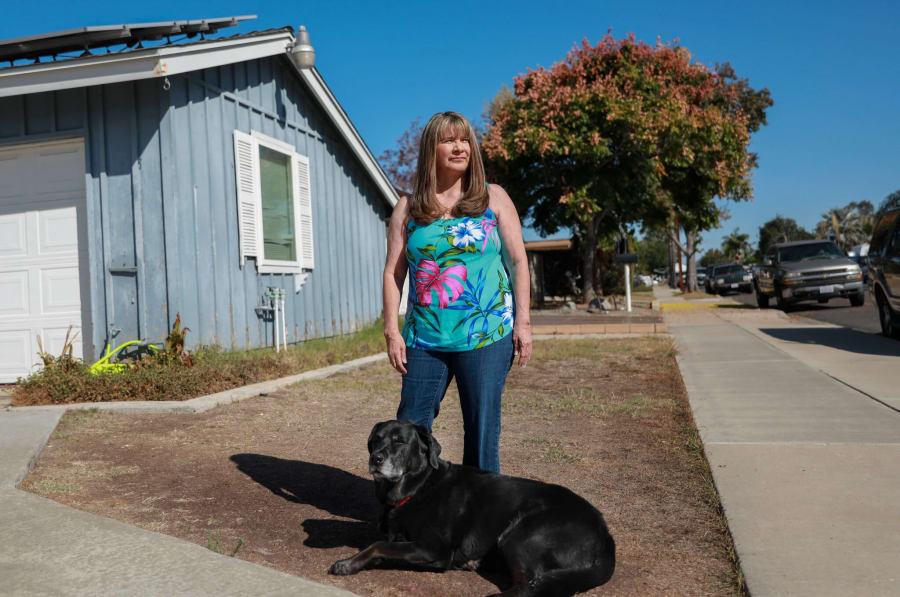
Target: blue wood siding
column 162, row 207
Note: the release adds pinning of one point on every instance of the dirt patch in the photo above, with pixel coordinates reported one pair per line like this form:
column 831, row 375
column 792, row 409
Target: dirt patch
column 281, row 480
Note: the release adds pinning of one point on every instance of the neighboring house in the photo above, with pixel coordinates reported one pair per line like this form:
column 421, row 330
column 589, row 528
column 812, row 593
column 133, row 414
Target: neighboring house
column 548, row 263
column 187, row 177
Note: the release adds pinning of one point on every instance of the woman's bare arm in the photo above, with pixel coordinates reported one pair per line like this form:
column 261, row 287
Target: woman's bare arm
column 394, row 275
column 510, row 228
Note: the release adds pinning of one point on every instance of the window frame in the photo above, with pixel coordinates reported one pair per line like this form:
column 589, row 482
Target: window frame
column 247, row 172
column 278, row 266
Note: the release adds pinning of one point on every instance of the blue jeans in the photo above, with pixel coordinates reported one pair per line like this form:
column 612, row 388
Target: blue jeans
column 480, row 377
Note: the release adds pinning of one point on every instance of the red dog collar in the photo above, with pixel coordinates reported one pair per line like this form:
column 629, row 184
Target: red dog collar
column 400, row 502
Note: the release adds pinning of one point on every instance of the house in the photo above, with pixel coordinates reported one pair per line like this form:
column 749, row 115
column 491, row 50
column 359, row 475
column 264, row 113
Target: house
column 154, row 169
column 549, row 262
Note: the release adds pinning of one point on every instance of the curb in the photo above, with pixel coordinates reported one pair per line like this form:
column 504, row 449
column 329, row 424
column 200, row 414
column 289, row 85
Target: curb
column 701, row 304
column 687, row 306
column 595, row 336
column 205, row 403
column 600, row 328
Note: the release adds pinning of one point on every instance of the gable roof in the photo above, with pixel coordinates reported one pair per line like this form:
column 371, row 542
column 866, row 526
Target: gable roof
column 171, row 59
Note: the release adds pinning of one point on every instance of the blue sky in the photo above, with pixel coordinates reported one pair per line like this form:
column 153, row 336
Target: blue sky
column 833, row 69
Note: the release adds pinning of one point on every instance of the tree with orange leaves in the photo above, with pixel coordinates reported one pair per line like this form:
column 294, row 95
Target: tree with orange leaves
column 624, row 132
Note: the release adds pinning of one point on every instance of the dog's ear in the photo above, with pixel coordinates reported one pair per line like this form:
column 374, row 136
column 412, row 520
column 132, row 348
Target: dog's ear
column 431, row 445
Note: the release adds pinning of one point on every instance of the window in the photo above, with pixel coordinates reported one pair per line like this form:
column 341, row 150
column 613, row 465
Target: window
column 894, row 250
column 274, row 204
column 880, row 235
column 277, row 206
column 807, row 252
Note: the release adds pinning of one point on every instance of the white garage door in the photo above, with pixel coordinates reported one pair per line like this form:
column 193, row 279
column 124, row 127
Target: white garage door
column 41, row 197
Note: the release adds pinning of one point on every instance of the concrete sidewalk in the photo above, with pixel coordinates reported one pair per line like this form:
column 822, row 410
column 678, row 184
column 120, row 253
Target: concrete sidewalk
column 806, row 467
column 50, row 549
column 869, row 363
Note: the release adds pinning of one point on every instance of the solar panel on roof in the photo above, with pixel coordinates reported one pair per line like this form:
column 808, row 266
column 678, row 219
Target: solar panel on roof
column 86, row 39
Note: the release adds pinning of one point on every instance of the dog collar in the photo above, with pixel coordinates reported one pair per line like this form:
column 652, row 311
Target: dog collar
column 400, row 502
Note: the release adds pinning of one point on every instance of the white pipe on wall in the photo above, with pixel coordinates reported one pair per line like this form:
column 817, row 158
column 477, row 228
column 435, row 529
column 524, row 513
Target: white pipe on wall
column 275, row 325
column 283, row 322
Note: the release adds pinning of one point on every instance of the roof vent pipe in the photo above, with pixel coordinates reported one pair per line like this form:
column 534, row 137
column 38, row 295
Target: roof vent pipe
column 302, row 53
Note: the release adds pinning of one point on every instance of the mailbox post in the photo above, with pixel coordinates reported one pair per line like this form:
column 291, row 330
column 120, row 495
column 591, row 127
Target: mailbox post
column 627, row 259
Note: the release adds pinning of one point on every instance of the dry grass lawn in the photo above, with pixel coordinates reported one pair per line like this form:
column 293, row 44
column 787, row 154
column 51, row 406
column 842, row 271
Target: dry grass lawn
column 281, row 480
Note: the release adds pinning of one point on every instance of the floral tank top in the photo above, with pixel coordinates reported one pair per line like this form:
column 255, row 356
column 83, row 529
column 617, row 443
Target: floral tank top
column 459, row 292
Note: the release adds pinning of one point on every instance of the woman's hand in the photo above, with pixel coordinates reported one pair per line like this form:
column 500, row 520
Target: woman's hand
column 396, row 349
column 522, row 342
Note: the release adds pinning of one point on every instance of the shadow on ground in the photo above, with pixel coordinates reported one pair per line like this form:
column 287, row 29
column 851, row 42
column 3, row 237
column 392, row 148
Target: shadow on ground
column 342, row 494
column 841, row 338
column 324, row 487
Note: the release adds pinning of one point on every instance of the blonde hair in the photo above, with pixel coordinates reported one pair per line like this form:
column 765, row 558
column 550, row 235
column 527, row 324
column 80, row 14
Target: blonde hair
column 424, row 206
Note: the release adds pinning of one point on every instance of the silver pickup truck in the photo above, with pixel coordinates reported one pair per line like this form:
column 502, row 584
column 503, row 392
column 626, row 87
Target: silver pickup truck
column 810, row 270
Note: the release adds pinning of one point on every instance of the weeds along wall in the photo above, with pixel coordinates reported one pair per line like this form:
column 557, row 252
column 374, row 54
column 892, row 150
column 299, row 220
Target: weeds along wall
column 161, row 214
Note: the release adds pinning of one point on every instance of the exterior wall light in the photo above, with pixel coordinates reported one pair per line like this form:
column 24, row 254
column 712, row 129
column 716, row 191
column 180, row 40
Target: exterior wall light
column 302, row 53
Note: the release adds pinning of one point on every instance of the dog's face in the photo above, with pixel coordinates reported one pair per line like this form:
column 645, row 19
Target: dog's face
column 400, row 447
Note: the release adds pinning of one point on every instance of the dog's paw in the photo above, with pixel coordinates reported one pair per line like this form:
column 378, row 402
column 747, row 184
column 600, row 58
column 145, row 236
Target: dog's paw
column 471, row 565
column 342, row 568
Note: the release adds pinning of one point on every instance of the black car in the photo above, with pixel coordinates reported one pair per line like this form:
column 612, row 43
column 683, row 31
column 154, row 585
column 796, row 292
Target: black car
column 731, row 277
column 884, row 271
column 810, row 270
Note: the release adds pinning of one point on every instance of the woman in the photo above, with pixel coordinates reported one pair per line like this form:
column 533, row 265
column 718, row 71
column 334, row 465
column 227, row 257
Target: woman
column 461, row 241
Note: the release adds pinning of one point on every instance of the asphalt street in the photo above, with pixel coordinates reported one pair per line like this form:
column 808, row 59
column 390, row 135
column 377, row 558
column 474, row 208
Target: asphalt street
column 836, row 311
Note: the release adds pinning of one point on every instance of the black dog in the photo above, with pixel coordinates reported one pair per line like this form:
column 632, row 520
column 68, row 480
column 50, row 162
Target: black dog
column 439, row 515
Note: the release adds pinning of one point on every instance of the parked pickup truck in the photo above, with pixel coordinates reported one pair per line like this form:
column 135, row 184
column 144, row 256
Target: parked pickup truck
column 811, row 270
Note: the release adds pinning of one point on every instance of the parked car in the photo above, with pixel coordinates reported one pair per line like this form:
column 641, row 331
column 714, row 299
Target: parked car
column 731, row 277
column 858, row 254
column 707, row 281
column 808, row 270
column 701, row 276
column 643, row 281
column 884, row 271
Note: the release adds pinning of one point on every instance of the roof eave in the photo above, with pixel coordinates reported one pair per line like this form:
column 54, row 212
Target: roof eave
column 313, row 78
column 138, row 64
column 171, row 60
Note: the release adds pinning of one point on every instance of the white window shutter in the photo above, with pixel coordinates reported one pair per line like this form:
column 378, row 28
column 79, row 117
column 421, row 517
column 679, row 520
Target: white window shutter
column 303, row 198
column 246, row 169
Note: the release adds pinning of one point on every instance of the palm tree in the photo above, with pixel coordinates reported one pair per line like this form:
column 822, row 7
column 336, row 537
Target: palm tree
column 848, row 225
column 737, row 245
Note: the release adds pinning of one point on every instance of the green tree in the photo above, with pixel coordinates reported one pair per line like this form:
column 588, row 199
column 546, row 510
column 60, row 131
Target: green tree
column 624, row 132
column 652, row 251
column 720, row 161
column 849, row 225
column 779, row 230
column 575, row 145
column 713, row 257
column 892, row 201
column 736, row 246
